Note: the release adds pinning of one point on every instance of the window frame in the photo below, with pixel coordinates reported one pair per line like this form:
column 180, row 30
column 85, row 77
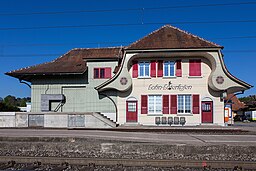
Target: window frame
column 144, row 69
column 101, row 72
column 184, row 104
column 155, row 104
column 169, row 69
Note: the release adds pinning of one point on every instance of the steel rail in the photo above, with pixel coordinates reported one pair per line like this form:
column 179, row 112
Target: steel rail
column 131, row 162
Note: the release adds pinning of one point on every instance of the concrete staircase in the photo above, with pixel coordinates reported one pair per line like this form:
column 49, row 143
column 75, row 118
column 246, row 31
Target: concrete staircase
column 105, row 119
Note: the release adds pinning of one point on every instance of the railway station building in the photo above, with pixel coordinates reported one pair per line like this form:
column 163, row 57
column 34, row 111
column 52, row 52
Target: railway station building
column 168, row 77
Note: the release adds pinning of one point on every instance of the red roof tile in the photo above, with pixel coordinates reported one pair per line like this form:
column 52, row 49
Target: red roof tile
column 71, row 62
column 236, row 103
column 169, row 37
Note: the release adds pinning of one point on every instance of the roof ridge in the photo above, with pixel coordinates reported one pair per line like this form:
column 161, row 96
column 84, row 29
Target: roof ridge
column 58, row 58
column 54, row 60
column 187, row 32
column 177, row 29
column 146, row 36
column 113, row 47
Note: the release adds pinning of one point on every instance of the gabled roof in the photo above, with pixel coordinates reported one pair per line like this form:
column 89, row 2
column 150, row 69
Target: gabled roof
column 236, row 103
column 169, row 37
column 70, row 63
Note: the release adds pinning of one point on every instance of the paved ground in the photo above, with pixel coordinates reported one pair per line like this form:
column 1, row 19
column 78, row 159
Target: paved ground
column 178, row 139
column 248, row 126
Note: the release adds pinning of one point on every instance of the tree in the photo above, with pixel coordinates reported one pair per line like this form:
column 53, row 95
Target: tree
column 11, row 103
column 5, row 108
column 10, row 100
column 248, row 99
column 23, row 102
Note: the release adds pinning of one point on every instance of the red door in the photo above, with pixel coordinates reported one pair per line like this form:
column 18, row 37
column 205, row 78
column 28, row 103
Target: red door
column 207, row 113
column 131, row 111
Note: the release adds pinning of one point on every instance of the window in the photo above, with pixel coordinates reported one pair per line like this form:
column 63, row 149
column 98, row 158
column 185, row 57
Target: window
column 131, row 106
column 184, row 103
column 169, row 69
column 155, row 104
column 96, row 73
column 206, row 107
column 102, row 72
column 144, row 69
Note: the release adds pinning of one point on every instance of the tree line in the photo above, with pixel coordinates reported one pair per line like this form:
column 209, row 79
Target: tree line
column 11, row 103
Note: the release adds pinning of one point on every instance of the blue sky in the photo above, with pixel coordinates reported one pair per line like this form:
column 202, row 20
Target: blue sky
column 25, row 47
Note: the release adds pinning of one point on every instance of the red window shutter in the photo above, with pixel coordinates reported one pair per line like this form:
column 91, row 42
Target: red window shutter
column 135, row 69
column 178, row 68
column 196, row 104
column 160, row 69
column 195, row 67
column 153, row 68
column 198, row 67
column 166, row 104
column 107, row 72
column 191, row 68
column 173, row 104
column 144, row 104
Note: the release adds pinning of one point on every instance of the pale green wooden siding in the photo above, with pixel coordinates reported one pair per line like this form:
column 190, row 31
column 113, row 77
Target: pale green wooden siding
column 75, row 99
column 78, row 90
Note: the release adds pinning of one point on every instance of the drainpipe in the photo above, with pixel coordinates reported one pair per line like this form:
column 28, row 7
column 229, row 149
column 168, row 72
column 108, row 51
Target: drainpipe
column 112, row 102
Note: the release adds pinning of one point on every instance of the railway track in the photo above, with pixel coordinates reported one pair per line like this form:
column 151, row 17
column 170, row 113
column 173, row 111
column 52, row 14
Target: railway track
column 32, row 163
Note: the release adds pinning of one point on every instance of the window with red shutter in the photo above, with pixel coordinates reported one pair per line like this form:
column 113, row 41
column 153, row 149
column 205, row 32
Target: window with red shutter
column 107, row 72
column 153, row 68
column 96, row 73
column 195, row 67
column 173, row 104
column 195, row 104
column 144, row 104
column 178, row 68
column 160, row 69
column 166, row 104
column 135, row 69
column 102, row 73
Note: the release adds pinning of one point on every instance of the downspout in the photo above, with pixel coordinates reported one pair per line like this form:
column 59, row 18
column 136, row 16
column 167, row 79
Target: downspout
column 112, row 102
column 23, row 82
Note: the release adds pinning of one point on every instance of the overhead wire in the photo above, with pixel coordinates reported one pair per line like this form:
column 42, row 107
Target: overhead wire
column 130, row 9
column 125, row 24
column 110, row 42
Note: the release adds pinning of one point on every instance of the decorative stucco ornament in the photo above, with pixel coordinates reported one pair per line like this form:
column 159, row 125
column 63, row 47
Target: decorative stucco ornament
column 123, row 81
column 220, row 80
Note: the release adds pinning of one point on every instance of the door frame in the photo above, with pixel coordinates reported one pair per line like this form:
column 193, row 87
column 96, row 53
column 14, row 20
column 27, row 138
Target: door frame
column 202, row 111
column 131, row 101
